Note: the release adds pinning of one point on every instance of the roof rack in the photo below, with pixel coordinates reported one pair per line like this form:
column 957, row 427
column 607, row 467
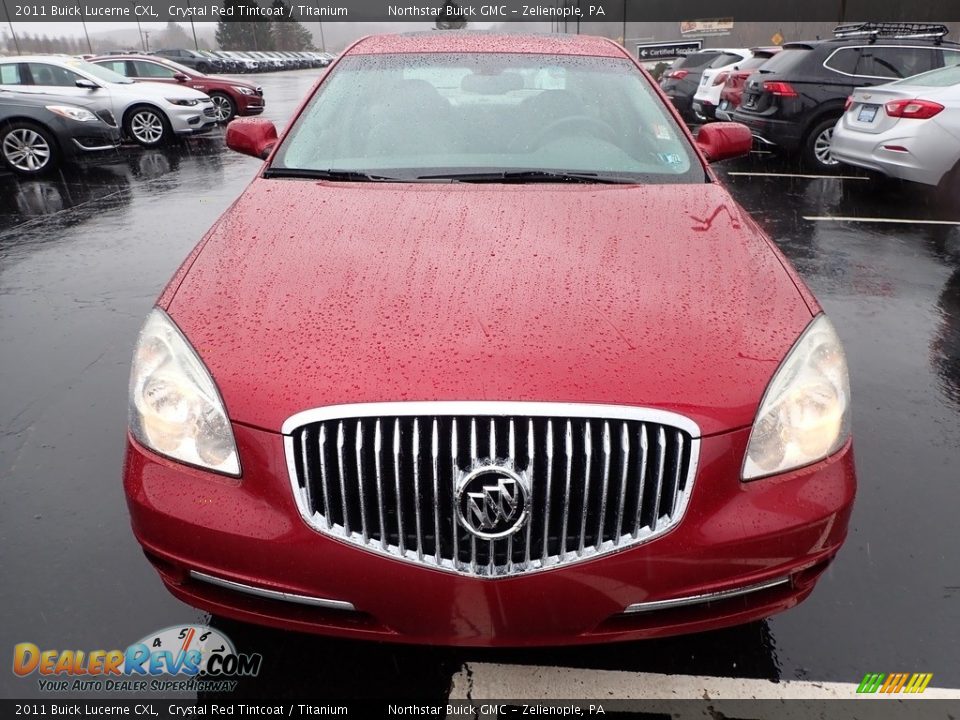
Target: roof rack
column 874, row 30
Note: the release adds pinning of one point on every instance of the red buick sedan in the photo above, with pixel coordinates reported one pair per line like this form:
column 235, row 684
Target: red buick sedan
column 486, row 355
column 230, row 97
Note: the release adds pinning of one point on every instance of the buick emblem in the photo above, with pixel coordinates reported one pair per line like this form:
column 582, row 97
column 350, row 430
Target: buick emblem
column 492, row 501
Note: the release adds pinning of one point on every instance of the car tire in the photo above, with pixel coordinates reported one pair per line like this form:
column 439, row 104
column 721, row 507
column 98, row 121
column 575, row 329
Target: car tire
column 816, row 147
column 224, row 107
column 147, row 126
column 203, row 68
column 28, row 149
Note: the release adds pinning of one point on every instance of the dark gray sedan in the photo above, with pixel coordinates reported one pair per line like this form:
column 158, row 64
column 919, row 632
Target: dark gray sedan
column 39, row 132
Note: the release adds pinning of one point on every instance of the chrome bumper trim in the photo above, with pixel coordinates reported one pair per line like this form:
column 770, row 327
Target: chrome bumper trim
column 643, row 607
column 273, row 594
column 763, row 140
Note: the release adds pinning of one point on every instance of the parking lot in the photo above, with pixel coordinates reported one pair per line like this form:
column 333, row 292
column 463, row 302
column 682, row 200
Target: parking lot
column 84, row 254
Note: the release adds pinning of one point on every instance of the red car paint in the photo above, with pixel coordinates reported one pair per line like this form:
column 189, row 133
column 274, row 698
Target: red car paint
column 311, row 293
column 252, row 104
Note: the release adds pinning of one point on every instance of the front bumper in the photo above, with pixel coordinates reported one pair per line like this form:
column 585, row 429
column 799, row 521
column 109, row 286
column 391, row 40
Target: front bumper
column 191, row 120
column 207, row 535
column 250, row 104
column 81, row 139
column 922, row 159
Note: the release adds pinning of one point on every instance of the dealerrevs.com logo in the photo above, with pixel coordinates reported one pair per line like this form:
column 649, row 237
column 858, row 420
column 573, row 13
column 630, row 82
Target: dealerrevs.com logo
column 183, row 658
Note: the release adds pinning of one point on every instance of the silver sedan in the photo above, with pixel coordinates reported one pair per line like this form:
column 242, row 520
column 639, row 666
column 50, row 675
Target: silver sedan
column 907, row 129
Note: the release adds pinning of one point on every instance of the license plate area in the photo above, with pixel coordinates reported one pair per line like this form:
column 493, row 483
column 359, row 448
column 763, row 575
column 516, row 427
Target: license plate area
column 867, row 113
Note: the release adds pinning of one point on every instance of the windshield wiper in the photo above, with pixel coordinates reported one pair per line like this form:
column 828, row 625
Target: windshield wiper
column 334, row 175
column 531, row 176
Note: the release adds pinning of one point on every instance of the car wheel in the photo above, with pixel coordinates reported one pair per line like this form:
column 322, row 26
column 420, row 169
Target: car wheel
column 203, row 68
column 28, row 149
column 147, row 126
column 223, row 107
column 816, row 148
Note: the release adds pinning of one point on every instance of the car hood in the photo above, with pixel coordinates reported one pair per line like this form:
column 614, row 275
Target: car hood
column 310, row 293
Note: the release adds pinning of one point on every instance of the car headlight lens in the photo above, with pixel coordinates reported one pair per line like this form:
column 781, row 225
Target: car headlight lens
column 175, row 408
column 72, row 112
column 805, row 413
column 242, row 90
column 183, row 101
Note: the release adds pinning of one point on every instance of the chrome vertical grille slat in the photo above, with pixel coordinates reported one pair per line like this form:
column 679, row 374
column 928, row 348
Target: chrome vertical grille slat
column 595, row 482
column 587, row 459
column 416, row 488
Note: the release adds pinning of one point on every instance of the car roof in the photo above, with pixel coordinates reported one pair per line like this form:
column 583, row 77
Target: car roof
column 42, row 58
column 866, row 42
column 485, row 42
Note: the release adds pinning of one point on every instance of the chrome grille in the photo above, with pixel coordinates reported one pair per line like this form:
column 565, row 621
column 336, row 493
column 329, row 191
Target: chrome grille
column 597, row 478
column 209, row 111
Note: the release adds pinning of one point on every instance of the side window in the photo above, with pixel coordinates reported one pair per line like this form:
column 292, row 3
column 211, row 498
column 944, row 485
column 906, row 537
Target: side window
column 52, row 75
column 152, row 70
column 10, row 74
column 895, row 62
column 844, row 60
column 118, row 66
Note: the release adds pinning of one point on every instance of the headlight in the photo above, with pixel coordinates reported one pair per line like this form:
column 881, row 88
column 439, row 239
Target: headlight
column 72, row 112
column 242, row 90
column 175, row 408
column 184, row 102
column 805, row 412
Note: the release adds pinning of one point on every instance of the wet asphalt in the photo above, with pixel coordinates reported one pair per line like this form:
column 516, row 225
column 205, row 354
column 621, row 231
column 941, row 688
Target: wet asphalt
column 84, row 254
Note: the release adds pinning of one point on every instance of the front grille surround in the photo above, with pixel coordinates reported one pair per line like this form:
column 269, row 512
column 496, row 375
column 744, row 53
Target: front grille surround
column 594, row 474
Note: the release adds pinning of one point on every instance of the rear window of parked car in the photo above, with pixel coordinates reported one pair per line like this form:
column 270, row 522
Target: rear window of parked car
column 786, row 59
column 694, row 61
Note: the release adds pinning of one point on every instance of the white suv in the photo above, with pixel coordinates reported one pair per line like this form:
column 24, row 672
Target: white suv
column 149, row 113
column 707, row 97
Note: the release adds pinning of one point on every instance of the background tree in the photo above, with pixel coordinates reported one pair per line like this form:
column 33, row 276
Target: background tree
column 289, row 34
column 174, row 36
column 233, row 34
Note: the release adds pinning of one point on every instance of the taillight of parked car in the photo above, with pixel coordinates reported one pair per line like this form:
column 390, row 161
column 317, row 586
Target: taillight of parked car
column 721, row 78
column 848, row 103
column 779, row 89
column 913, row 109
column 678, row 74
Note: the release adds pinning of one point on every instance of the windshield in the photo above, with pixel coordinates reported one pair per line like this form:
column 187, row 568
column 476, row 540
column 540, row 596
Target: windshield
column 449, row 115
column 99, row 72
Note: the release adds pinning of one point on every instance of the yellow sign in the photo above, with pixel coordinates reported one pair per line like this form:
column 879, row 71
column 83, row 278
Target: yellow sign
column 777, row 38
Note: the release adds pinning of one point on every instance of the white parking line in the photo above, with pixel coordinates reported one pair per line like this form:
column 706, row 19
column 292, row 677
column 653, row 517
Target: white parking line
column 531, row 682
column 897, row 221
column 798, row 175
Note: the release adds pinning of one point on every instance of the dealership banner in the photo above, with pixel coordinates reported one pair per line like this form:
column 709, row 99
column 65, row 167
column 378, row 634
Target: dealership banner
column 486, row 11
column 478, row 709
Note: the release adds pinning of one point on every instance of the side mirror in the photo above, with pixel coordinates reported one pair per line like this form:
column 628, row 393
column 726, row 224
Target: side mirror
column 87, row 84
column 252, row 136
column 724, row 140
column 180, row 77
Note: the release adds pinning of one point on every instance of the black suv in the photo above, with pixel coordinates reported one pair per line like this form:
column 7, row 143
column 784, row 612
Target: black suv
column 193, row 60
column 679, row 82
column 793, row 101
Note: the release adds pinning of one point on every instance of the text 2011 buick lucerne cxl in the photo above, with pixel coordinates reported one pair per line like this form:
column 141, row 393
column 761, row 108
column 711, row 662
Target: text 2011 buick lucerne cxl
column 485, row 355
